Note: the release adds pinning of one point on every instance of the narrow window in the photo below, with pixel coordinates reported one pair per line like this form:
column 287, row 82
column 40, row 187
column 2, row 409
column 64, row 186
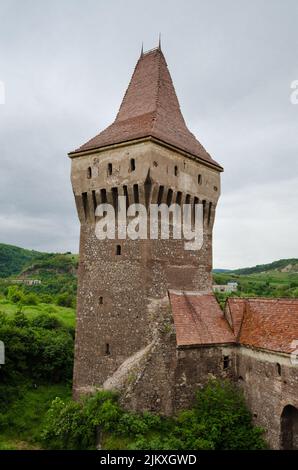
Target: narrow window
column 160, row 194
column 100, row 300
column 108, row 352
column 89, row 173
column 103, row 193
column 199, row 179
column 169, row 197
column 118, row 250
column 136, row 193
column 209, row 212
column 115, row 198
column 85, row 204
column 132, row 164
column 179, row 197
column 110, row 169
column 278, row 368
column 125, row 193
column 176, row 170
column 226, row 362
column 94, row 201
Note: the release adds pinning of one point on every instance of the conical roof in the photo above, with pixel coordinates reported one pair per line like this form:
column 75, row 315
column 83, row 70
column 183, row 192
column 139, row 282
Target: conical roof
column 150, row 108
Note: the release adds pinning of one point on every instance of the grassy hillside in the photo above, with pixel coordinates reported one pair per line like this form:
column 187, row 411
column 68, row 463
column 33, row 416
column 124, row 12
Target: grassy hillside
column 14, row 259
column 57, row 273
column 282, row 265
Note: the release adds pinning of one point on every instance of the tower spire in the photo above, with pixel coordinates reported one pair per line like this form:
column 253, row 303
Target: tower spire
column 142, row 49
column 159, row 41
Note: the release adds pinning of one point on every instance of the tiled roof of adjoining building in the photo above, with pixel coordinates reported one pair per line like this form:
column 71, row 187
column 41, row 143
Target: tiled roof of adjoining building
column 269, row 324
column 150, row 108
column 199, row 320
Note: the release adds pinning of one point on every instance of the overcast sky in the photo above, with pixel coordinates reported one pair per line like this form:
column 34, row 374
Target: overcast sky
column 66, row 64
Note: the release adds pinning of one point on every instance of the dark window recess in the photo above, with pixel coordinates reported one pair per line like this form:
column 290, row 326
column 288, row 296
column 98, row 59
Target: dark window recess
column 199, row 179
column 125, row 193
column 89, row 173
column 85, row 204
column 278, row 368
column 107, row 352
column 179, row 197
column 136, row 193
column 100, row 300
column 115, row 198
column 110, row 169
column 103, row 193
column 118, row 250
column 132, row 164
column 226, row 362
column 176, row 170
column 94, row 201
column 160, row 194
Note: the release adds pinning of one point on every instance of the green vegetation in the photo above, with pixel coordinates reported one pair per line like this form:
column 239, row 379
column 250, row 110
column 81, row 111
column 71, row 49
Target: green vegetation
column 219, row 420
column 37, row 327
column 38, row 367
column 282, row 265
column 278, row 279
column 57, row 273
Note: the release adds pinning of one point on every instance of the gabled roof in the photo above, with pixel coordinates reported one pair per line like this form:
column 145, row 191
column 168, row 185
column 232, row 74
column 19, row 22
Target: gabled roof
column 150, row 108
column 270, row 324
column 199, row 320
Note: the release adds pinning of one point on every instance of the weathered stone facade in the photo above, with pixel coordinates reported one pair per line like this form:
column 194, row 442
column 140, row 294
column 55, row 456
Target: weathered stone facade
column 148, row 324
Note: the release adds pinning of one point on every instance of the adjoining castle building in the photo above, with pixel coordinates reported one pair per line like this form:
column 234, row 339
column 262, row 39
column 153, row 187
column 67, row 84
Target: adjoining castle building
column 148, row 323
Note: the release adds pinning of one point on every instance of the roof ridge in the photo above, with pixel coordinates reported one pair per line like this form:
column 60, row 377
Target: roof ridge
column 127, row 88
column 150, row 89
column 157, row 87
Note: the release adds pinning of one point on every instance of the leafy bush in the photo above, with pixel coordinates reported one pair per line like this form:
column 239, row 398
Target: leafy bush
column 219, row 420
column 65, row 300
column 15, row 294
column 40, row 349
column 30, row 299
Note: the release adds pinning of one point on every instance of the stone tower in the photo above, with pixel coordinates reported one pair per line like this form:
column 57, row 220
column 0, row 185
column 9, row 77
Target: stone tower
column 149, row 156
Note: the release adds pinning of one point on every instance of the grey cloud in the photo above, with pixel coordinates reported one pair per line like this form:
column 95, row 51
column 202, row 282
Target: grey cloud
column 66, row 65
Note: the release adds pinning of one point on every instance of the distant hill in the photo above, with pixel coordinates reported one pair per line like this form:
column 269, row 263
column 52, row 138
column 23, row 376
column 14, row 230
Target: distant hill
column 218, row 271
column 282, row 266
column 15, row 261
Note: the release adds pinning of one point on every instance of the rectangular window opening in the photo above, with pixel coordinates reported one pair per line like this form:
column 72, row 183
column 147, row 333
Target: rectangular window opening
column 226, row 362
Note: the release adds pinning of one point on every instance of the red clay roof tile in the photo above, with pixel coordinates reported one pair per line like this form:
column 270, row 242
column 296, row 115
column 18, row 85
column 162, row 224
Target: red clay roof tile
column 150, row 108
column 199, row 320
column 270, row 324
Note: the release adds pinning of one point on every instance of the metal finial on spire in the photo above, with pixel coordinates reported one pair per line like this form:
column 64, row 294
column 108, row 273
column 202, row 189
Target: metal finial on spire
column 159, row 42
column 142, row 50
